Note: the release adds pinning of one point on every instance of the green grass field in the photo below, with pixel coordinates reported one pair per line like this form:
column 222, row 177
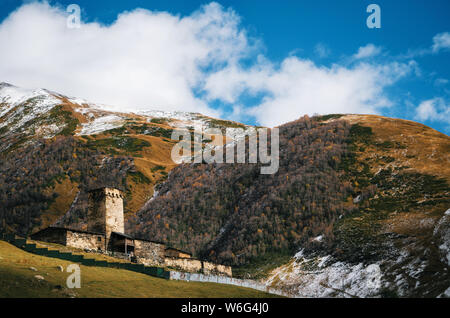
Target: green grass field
column 17, row 279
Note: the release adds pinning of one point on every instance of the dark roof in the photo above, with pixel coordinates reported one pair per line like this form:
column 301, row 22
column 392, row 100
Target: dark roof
column 175, row 249
column 136, row 238
column 145, row 240
column 67, row 229
column 123, row 234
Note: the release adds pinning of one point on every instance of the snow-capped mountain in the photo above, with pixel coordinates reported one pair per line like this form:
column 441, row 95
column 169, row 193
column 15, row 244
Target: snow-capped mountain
column 20, row 107
column 134, row 149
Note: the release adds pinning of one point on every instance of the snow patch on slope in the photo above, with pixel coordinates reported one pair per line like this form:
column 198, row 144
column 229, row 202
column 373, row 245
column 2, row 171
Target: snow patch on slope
column 173, row 115
column 78, row 101
column 49, row 131
column 319, row 277
column 101, row 124
column 25, row 104
column 13, row 96
column 442, row 232
column 178, row 119
column 446, row 294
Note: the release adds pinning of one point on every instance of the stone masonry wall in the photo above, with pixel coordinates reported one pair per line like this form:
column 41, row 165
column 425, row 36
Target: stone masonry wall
column 176, row 254
column 105, row 211
column 196, row 266
column 184, row 264
column 149, row 253
column 216, row 269
column 195, row 277
column 85, row 241
column 114, row 211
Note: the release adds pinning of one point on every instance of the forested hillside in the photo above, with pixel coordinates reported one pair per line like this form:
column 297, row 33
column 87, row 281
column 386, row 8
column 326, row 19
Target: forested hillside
column 53, row 148
column 341, row 180
column 231, row 213
column 28, row 177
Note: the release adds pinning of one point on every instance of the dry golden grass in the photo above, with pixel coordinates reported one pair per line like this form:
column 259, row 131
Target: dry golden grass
column 67, row 192
column 411, row 224
column 425, row 149
column 18, row 280
column 417, row 148
column 68, row 106
column 159, row 154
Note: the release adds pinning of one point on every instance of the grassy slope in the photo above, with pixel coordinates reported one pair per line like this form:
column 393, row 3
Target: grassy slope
column 412, row 194
column 412, row 145
column 409, row 164
column 17, row 280
column 413, row 161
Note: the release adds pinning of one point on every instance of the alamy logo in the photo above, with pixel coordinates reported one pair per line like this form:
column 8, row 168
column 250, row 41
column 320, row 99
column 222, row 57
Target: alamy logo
column 74, row 279
column 192, row 147
column 374, row 20
column 74, row 19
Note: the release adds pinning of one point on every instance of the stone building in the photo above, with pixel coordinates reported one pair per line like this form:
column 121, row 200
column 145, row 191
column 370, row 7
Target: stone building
column 105, row 212
column 173, row 252
column 106, row 234
column 73, row 238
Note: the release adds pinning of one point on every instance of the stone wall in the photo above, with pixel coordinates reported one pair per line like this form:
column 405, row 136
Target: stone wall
column 195, row 277
column 216, row 269
column 87, row 241
column 119, row 255
column 193, row 265
column 105, row 211
column 114, row 211
column 149, row 253
column 174, row 253
column 184, row 264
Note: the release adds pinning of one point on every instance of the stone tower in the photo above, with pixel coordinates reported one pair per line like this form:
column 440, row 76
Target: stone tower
column 105, row 211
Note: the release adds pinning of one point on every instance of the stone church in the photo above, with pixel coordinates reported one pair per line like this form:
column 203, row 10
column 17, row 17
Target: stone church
column 106, row 234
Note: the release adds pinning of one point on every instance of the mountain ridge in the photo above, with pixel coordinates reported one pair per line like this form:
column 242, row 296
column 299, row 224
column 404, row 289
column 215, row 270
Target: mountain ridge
column 389, row 183
column 33, row 118
column 354, row 194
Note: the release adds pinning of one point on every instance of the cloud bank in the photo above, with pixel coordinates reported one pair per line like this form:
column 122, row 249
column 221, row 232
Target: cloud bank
column 143, row 60
column 367, row 51
column 441, row 41
column 435, row 109
column 156, row 60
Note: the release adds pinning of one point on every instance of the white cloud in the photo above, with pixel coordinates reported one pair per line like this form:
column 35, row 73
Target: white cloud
column 435, row 109
column 441, row 81
column 143, row 60
column 156, row 60
column 441, row 41
column 367, row 51
column 299, row 87
column 322, row 50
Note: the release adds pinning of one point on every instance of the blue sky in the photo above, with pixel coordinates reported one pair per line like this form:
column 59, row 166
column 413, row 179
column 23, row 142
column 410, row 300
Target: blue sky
column 281, row 44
